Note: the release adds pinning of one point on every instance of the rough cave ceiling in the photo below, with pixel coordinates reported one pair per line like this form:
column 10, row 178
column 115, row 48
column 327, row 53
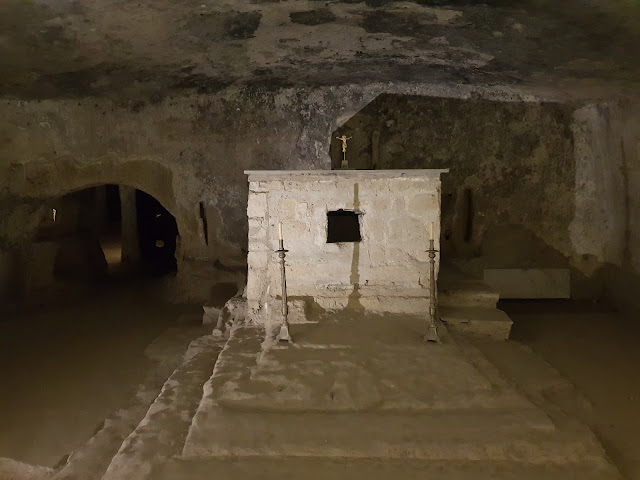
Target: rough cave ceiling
column 51, row 48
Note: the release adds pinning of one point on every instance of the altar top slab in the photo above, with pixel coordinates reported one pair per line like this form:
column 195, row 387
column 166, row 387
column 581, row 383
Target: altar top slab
column 258, row 175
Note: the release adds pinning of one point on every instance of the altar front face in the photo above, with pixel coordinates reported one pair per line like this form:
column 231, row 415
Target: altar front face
column 356, row 238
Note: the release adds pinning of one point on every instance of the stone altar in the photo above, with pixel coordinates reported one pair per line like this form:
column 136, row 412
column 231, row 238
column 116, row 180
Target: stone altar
column 387, row 270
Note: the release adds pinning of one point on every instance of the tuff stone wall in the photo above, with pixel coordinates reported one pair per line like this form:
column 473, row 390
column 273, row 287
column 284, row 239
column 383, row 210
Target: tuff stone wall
column 188, row 151
column 387, row 271
column 509, row 197
column 606, row 230
column 543, row 185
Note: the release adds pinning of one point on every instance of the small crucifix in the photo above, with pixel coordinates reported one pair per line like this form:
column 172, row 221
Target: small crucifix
column 344, row 139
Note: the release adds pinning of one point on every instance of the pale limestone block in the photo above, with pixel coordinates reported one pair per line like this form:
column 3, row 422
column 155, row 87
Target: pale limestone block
column 374, row 228
column 297, row 235
column 406, row 228
column 399, row 275
column 258, row 259
column 258, row 187
column 301, row 211
column 286, row 208
column 424, row 278
column 323, row 186
column 399, row 205
column 275, row 186
column 423, row 202
column 396, row 305
column 257, row 205
column 398, row 186
column 380, row 204
column 417, row 237
column 398, row 256
column 331, row 289
column 332, row 303
column 393, row 290
column 273, row 270
column 257, row 232
column 256, row 223
column 376, row 256
column 259, row 245
column 256, row 285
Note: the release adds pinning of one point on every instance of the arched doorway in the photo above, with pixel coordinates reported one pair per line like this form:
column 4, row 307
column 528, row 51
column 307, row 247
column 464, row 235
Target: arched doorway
column 100, row 332
column 100, row 232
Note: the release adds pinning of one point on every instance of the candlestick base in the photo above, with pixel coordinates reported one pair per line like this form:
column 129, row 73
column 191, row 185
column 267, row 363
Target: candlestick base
column 432, row 334
column 284, row 336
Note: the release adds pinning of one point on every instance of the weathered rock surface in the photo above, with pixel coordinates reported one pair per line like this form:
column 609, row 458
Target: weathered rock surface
column 143, row 49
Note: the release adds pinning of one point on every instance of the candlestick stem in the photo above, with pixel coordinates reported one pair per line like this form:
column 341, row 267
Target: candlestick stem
column 284, row 335
column 432, row 328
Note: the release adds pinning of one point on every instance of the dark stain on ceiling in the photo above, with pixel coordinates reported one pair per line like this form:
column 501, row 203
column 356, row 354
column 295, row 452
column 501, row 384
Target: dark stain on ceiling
column 51, row 48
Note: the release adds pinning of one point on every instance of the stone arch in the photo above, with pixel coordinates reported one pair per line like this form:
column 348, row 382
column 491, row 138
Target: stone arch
column 49, row 179
column 41, row 180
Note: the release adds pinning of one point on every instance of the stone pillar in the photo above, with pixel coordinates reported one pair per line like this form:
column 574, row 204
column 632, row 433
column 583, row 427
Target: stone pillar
column 130, row 243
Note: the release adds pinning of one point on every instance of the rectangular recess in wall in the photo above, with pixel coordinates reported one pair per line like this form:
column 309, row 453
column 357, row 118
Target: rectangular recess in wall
column 343, row 226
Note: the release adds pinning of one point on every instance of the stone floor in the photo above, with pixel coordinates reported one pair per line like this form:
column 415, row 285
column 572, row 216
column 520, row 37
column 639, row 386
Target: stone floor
column 66, row 369
column 596, row 349
column 363, row 397
column 82, row 375
column 367, row 389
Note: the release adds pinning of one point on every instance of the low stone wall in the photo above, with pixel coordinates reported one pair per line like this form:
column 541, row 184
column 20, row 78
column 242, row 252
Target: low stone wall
column 387, row 270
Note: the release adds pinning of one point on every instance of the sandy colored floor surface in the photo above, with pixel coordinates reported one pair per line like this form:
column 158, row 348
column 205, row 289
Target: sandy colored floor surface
column 598, row 351
column 65, row 369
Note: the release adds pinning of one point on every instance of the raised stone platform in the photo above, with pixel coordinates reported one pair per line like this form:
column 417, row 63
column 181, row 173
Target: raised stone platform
column 369, row 387
column 483, row 321
column 468, row 305
column 277, row 468
column 458, row 290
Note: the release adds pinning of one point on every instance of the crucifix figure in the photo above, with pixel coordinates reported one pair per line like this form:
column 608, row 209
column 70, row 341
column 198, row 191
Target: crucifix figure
column 344, row 139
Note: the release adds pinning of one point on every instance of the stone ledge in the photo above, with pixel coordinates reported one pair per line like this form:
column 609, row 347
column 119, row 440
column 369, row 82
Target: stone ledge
column 270, row 175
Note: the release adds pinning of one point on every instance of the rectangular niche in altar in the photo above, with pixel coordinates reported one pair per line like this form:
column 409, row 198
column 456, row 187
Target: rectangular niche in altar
column 356, row 238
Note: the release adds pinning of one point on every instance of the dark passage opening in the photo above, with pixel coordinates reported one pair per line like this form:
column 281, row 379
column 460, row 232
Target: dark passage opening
column 157, row 232
column 343, row 226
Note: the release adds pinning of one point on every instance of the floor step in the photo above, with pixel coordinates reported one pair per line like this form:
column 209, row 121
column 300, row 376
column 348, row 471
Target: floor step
column 161, row 433
column 474, row 435
column 457, row 290
column 250, row 468
column 90, row 461
column 485, row 321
